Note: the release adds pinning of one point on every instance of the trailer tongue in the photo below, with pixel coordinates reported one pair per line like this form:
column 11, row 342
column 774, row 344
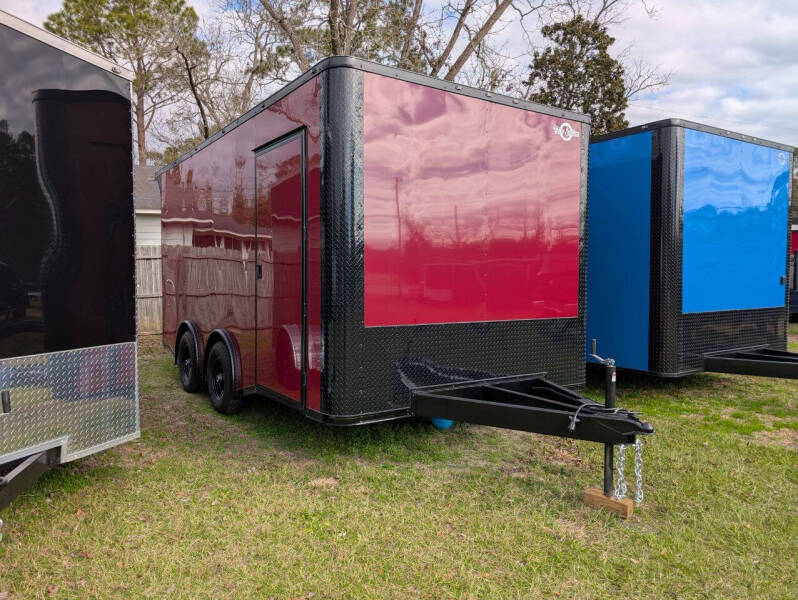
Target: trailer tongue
column 532, row 403
column 757, row 360
column 526, row 403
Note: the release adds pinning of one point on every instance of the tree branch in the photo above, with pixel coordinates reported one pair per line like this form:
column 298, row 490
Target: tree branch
column 282, row 23
column 467, row 8
column 478, row 37
column 193, row 87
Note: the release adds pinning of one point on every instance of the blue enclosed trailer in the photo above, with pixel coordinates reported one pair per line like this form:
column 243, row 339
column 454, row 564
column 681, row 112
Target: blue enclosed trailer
column 688, row 250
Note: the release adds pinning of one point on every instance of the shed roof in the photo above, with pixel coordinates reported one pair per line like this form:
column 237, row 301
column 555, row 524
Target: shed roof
column 146, row 194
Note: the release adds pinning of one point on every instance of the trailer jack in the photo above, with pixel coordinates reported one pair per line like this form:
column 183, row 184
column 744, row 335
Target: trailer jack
column 528, row 403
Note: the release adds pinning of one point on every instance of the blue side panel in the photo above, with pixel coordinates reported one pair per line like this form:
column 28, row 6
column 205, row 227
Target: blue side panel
column 619, row 242
column 736, row 203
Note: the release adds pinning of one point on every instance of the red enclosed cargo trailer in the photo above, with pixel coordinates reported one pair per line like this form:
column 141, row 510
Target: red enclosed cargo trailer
column 371, row 244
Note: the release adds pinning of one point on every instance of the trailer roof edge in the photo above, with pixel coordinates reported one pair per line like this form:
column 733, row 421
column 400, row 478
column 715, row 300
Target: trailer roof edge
column 56, row 41
column 350, row 62
column 692, row 125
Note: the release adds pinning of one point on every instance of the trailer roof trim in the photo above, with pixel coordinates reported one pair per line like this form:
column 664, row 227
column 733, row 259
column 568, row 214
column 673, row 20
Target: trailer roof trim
column 55, row 41
column 351, row 62
column 691, row 125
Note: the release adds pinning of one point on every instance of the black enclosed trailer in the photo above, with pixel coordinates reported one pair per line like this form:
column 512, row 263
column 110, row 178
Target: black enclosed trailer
column 68, row 380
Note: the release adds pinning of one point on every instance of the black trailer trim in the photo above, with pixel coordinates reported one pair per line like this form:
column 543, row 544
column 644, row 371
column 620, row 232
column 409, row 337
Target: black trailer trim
column 64, row 45
column 685, row 124
column 350, row 62
column 24, row 474
column 358, row 419
column 761, row 361
column 529, row 403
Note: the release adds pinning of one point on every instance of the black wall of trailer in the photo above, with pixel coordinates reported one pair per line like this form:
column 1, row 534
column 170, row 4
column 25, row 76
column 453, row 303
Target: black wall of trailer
column 66, row 220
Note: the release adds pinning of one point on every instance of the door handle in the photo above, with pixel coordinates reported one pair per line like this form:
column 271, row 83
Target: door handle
column 5, row 397
column 258, row 271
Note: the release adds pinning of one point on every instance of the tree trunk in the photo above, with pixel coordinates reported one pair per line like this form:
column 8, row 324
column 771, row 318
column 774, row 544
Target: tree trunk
column 333, row 19
column 350, row 10
column 141, row 128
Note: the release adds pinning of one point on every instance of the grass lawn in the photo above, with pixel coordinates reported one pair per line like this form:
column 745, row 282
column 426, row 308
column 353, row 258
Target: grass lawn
column 269, row 504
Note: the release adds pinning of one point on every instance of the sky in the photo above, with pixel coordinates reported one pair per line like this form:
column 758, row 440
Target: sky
column 733, row 63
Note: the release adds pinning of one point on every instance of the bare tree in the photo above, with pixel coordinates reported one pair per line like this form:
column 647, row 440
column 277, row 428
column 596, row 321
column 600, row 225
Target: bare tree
column 641, row 76
column 398, row 32
column 603, row 12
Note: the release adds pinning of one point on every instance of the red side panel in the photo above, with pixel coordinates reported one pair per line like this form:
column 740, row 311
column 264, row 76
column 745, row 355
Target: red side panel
column 794, row 241
column 471, row 209
column 208, row 224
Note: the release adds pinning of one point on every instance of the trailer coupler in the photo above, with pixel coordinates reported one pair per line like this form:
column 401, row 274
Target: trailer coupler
column 758, row 360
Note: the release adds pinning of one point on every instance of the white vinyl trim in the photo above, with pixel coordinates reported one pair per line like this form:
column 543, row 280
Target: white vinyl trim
column 55, row 41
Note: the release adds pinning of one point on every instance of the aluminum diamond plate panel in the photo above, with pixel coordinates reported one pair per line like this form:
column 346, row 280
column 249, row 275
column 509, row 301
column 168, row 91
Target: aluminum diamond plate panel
column 86, row 399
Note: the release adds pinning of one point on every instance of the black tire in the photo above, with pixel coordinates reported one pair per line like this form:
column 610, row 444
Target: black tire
column 187, row 363
column 225, row 398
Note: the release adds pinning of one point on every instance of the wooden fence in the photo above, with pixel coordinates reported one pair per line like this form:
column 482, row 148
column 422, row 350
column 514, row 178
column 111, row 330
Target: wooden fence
column 148, row 289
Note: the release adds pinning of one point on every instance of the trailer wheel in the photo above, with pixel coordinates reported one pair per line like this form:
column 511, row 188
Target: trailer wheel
column 219, row 375
column 187, row 363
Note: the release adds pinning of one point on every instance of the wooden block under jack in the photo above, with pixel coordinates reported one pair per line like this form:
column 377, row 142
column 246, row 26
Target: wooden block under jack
column 625, row 507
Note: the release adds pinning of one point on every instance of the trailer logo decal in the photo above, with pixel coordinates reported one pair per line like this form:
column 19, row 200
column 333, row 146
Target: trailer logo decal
column 566, row 131
column 782, row 159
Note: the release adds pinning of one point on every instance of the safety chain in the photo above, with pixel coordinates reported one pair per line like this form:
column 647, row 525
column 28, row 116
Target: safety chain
column 639, row 470
column 620, row 481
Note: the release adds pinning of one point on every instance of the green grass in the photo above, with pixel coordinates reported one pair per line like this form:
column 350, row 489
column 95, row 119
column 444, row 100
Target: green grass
column 268, row 504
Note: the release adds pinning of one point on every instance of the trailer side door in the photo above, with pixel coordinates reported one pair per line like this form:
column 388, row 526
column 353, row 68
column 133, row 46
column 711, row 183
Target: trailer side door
column 281, row 297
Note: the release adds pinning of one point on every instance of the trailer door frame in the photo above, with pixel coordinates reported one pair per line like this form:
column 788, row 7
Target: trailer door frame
column 301, row 136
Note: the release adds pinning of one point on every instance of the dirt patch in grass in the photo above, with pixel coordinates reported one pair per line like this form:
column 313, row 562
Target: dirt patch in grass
column 150, row 345
column 324, row 483
column 786, row 438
